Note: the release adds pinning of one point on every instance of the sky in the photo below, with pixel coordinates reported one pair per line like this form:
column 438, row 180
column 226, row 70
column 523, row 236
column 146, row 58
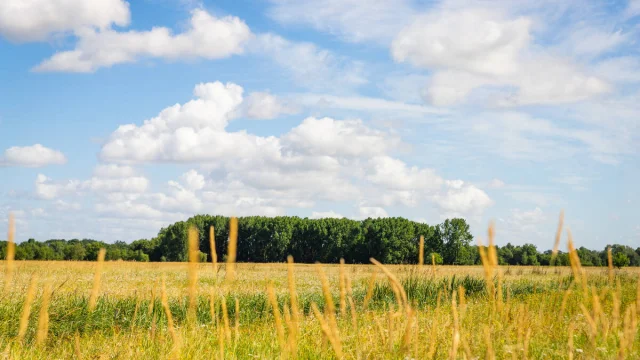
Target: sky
column 119, row 118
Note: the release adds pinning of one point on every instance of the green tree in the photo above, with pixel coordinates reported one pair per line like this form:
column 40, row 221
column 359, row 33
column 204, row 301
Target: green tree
column 620, row 260
column 456, row 238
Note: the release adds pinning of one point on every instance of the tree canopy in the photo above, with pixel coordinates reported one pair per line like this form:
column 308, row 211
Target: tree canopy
column 271, row 239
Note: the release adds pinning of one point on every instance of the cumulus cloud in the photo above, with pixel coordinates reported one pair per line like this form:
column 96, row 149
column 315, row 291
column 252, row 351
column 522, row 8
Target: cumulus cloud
column 346, row 162
column 265, row 106
column 325, row 214
column 193, row 180
column 475, row 48
column 32, row 156
column 36, row 20
column 327, row 136
column 461, row 198
column 207, row 37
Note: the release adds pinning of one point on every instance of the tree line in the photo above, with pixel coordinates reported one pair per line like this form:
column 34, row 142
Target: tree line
column 271, row 239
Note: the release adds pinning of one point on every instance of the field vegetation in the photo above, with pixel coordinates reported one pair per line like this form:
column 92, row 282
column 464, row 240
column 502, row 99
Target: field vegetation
column 229, row 310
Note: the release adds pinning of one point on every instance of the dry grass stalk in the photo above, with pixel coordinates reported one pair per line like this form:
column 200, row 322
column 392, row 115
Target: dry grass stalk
column 421, row 252
column 76, row 347
column 593, row 328
column 232, row 249
column 153, row 300
column 96, row 280
column 291, row 341
column 221, row 337
column 295, row 310
column 278, row 319
column 570, row 340
column 225, row 318
column 610, row 263
column 167, row 310
column 565, row 299
column 194, row 253
column 326, row 329
column 406, row 337
column 490, row 355
column 11, row 252
column 393, row 280
column 556, row 245
column 135, row 312
column 212, row 246
column 493, row 253
column 43, row 319
column 330, row 308
column 26, row 309
column 343, row 289
column 372, row 283
column 432, row 340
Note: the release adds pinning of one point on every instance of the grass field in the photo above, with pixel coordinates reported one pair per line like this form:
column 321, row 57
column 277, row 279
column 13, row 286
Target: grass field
column 521, row 312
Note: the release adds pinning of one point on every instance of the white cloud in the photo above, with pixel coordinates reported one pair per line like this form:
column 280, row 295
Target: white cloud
column 309, row 65
column 350, row 19
column 35, row 20
column 46, row 189
column 263, row 105
column 371, row 212
column 394, row 174
column 193, row 180
column 207, row 37
column 478, row 48
column 113, row 171
column 325, row 214
column 461, row 198
column 478, row 41
column 331, row 137
column 135, row 184
column 363, row 103
column 32, row 156
column 496, row 184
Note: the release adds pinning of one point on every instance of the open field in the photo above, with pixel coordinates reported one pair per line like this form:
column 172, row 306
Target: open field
column 533, row 312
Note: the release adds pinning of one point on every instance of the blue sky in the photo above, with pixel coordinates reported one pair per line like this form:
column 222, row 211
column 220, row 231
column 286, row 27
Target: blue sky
column 118, row 118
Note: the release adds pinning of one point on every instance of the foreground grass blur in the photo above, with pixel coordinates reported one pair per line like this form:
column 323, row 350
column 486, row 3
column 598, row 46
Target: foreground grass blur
column 453, row 313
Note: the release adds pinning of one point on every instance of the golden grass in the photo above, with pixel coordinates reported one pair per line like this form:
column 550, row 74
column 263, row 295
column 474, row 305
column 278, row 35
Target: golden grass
column 593, row 314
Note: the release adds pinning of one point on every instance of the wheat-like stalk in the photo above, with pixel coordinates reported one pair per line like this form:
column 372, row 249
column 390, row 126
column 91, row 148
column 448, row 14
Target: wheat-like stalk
column 371, row 286
column 167, row 310
column 393, row 280
column 232, row 249
column 330, row 308
column 193, row 273
column 225, row 318
column 214, row 254
column 326, row 329
column 96, row 280
column 43, row 319
column 26, row 308
column 277, row 318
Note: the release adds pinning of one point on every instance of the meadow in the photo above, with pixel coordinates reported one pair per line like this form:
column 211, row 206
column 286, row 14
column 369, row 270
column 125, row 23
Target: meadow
column 123, row 310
